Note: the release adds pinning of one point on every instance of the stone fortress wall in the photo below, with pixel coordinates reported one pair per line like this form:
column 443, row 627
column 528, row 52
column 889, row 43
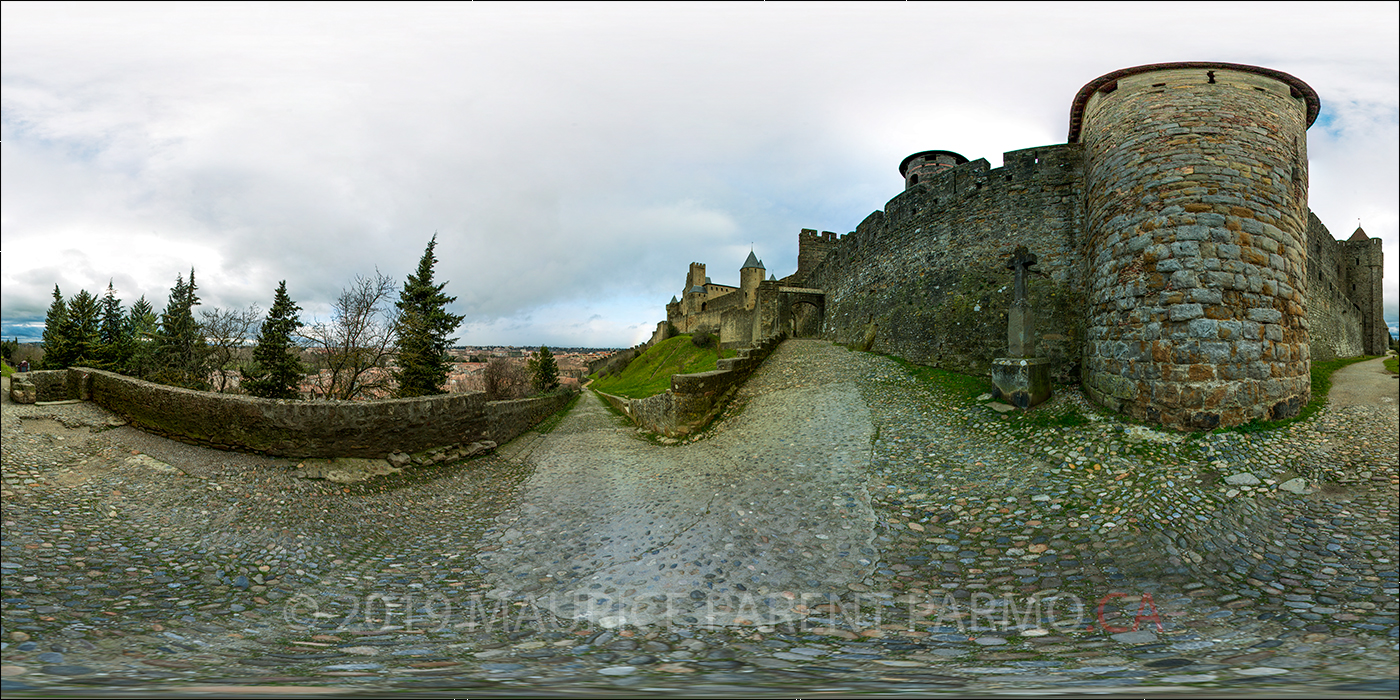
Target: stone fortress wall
column 1184, row 280
column 297, row 429
column 1334, row 317
column 927, row 274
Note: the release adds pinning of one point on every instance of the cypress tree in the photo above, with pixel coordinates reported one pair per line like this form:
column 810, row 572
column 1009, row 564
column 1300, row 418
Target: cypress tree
column 276, row 370
column 114, row 343
column 423, row 326
column 179, row 345
column 544, row 370
column 84, row 328
column 141, row 330
column 58, row 347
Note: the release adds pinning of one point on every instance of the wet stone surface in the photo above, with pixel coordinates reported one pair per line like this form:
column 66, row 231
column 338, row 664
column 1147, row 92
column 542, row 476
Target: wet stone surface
column 844, row 527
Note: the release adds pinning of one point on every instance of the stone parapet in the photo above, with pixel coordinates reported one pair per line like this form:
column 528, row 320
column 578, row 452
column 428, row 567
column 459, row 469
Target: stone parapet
column 308, row 428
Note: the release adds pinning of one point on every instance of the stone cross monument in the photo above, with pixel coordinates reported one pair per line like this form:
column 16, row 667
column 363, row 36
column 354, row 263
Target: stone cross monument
column 1021, row 378
column 1020, row 327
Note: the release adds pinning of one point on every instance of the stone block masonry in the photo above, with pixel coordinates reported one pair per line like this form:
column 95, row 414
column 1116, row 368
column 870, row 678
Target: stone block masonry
column 928, row 272
column 1196, row 200
column 302, row 428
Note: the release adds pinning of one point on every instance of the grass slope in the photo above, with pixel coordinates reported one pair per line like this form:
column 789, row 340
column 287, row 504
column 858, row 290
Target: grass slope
column 650, row 374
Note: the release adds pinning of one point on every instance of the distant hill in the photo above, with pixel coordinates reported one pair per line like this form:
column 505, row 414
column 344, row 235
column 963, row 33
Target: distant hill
column 650, row 374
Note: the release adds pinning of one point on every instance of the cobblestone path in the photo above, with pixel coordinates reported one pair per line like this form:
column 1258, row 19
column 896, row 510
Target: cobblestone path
column 616, row 530
column 850, row 524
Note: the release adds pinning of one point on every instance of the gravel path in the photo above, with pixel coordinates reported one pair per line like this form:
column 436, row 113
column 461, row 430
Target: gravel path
column 1364, row 384
column 1061, row 552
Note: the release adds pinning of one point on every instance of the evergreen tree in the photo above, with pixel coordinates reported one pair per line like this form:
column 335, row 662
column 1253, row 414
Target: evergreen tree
column 114, row 350
column 544, row 371
column 276, row 370
column 141, row 329
column 180, row 349
column 422, row 326
column 58, row 348
column 84, row 328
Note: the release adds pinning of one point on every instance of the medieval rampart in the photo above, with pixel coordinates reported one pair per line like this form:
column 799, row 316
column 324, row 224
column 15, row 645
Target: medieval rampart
column 1335, row 327
column 302, row 428
column 1182, row 277
column 927, row 271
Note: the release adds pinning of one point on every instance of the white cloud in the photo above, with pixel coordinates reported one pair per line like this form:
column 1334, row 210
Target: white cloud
column 569, row 152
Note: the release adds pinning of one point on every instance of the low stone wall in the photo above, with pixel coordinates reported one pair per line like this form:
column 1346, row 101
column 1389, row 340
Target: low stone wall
column 307, row 428
column 42, row 385
column 694, row 399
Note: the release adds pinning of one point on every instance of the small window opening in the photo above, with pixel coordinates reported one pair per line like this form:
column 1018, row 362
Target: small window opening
column 1210, row 77
column 914, row 179
column 1159, row 84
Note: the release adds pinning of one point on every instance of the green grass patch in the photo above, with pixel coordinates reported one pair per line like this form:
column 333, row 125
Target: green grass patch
column 1321, row 384
column 1067, row 418
column 1392, row 364
column 650, row 374
column 549, row 424
column 952, row 382
column 6, row 369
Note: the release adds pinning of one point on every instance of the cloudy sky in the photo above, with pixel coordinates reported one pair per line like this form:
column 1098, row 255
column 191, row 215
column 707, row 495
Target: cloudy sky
column 573, row 159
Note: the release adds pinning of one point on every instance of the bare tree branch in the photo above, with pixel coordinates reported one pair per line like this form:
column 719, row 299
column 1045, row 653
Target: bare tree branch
column 352, row 350
column 504, row 379
column 226, row 332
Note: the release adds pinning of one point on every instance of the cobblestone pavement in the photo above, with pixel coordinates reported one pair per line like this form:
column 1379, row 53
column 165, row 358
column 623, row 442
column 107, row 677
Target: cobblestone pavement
column 1059, row 552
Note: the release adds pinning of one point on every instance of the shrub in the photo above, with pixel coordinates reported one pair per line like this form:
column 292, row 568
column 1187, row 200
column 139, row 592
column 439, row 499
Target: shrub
column 702, row 339
column 504, row 380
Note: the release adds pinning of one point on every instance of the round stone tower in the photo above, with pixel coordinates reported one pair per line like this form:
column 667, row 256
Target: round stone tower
column 1196, row 180
column 924, row 164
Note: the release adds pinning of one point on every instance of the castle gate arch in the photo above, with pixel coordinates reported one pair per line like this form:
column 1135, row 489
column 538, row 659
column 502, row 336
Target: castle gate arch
column 800, row 311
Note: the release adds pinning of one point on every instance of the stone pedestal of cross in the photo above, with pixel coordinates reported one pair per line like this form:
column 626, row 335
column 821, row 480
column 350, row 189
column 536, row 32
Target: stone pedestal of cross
column 1022, row 379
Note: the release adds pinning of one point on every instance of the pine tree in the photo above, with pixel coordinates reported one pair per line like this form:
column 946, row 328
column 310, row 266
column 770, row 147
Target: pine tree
column 179, row 345
column 276, row 370
column 423, row 326
column 84, row 328
column 114, row 349
column 141, row 329
column 544, row 371
column 58, row 347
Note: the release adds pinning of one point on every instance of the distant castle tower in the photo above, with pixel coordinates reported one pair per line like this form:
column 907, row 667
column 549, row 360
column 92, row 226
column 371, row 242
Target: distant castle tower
column 924, row 164
column 694, row 294
column 750, row 275
column 1365, row 265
